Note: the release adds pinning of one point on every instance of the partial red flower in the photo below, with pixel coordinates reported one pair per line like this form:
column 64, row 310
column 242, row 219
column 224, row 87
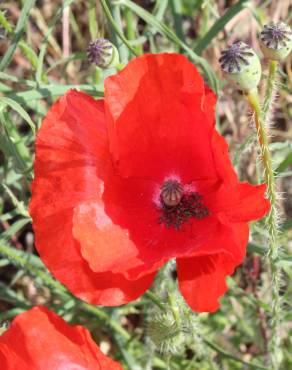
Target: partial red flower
column 41, row 340
column 124, row 184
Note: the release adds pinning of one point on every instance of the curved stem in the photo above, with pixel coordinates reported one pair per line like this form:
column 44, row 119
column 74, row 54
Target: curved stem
column 270, row 89
column 274, row 345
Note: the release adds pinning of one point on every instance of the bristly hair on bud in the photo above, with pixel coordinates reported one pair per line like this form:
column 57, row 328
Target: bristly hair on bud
column 165, row 333
column 276, row 41
column 241, row 65
column 102, row 53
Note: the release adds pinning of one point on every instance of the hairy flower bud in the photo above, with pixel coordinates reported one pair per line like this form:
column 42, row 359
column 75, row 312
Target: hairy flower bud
column 103, row 53
column 165, row 333
column 241, row 65
column 276, row 41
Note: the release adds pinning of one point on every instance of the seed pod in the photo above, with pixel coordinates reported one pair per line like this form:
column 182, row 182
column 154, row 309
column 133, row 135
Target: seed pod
column 241, row 66
column 171, row 193
column 276, row 41
column 103, row 53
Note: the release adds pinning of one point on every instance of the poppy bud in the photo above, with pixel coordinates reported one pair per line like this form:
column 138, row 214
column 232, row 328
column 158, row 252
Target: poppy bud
column 165, row 333
column 103, row 53
column 276, row 41
column 241, row 65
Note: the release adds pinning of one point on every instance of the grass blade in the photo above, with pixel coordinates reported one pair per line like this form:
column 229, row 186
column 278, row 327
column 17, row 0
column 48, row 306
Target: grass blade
column 18, row 33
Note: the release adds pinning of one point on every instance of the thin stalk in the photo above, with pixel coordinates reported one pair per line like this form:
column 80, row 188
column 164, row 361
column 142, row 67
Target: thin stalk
column 270, row 89
column 174, row 308
column 176, row 9
column 131, row 29
column 123, row 52
column 223, row 353
column 93, row 30
column 273, row 255
column 116, row 28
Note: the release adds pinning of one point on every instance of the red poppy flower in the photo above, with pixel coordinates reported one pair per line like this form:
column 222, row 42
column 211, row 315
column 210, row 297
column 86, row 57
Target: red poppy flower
column 41, row 340
column 124, row 184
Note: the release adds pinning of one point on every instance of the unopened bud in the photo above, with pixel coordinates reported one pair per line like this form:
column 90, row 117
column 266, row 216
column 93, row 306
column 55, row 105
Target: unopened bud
column 276, row 41
column 165, row 333
column 103, row 53
column 241, row 65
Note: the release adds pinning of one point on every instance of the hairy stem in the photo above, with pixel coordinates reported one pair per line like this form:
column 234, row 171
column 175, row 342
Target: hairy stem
column 270, row 89
column 274, row 344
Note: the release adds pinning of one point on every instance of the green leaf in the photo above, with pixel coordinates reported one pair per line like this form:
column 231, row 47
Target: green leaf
column 17, row 34
column 4, row 101
column 284, row 164
column 219, row 25
column 52, row 91
column 15, row 228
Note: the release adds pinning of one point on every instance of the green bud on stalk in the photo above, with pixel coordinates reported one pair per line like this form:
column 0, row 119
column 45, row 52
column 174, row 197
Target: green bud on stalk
column 276, row 41
column 241, row 66
column 103, row 53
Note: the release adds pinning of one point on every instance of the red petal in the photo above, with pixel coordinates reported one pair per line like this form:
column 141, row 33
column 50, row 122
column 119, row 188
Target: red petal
column 242, row 202
column 202, row 279
column 156, row 117
column 71, row 161
column 223, row 165
column 40, row 340
column 106, row 246
column 209, row 105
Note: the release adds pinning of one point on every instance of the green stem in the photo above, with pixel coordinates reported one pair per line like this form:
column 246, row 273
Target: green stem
column 131, row 29
column 104, row 317
column 273, row 67
column 176, row 9
column 116, row 12
column 117, row 30
column 225, row 354
column 274, row 345
column 153, row 297
column 174, row 308
column 93, row 30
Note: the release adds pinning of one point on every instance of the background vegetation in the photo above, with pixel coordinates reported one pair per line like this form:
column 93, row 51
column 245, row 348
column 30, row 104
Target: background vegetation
column 42, row 54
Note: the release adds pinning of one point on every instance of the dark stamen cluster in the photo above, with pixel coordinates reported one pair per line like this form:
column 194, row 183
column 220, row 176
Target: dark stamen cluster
column 99, row 52
column 189, row 206
column 234, row 58
column 276, row 36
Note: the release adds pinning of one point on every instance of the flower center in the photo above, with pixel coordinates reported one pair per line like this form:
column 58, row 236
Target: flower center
column 179, row 205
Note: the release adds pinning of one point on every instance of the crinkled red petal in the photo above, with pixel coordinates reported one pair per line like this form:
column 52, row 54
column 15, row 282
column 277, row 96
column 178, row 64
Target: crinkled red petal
column 71, row 164
column 202, row 279
column 156, row 118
